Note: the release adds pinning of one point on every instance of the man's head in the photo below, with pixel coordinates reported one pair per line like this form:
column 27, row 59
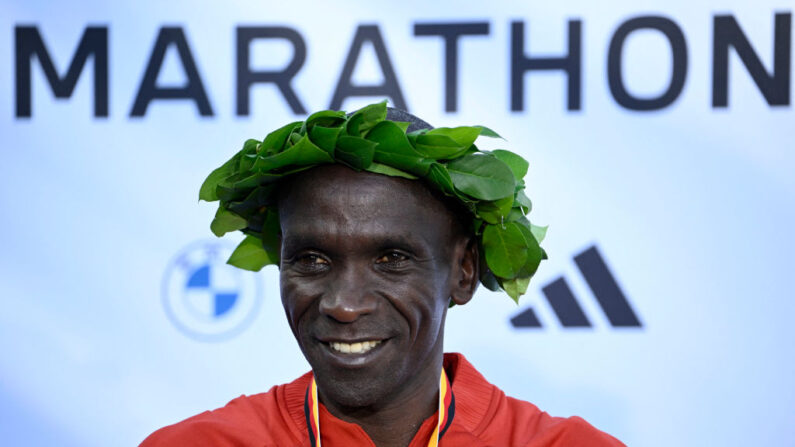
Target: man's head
column 369, row 264
column 377, row 223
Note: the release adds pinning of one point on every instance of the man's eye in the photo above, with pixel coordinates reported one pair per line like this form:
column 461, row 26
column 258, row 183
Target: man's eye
column 313, row 261
column 392, row 258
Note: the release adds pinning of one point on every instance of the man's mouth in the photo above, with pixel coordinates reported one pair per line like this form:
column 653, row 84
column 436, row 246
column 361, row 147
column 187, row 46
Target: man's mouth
column 354, row 348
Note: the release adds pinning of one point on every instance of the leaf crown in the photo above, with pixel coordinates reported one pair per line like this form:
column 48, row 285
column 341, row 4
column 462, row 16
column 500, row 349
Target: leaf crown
column 488, row 183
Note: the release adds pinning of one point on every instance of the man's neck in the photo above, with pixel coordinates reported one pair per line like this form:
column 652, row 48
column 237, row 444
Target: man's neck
column 395, row 422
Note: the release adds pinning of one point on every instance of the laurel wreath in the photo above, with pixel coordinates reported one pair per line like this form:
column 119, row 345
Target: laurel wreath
column 488, row 183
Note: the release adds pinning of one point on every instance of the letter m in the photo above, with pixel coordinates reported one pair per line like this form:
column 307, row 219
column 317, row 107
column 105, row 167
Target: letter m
column 29, row 44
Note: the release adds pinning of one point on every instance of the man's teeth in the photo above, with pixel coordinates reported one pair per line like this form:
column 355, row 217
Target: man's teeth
column 354, row 348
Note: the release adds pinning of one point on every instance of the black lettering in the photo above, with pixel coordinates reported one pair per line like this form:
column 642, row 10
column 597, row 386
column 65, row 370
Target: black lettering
column 775, row 86
column 570, row 64
column 282, row 78
column 28, row 43
column 148, row 91
column 389, row 88
column 450, row 32
column 615, row 80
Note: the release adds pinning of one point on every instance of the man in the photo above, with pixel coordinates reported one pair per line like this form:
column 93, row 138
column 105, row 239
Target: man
column 369, row 264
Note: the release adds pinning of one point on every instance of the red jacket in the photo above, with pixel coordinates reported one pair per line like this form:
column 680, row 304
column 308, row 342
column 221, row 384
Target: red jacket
column 484, row 416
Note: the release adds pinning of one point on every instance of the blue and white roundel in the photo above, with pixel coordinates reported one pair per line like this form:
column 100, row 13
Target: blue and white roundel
column 205, row 297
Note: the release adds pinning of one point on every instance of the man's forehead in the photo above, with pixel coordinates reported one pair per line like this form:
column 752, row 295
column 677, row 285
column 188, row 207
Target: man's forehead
column 334, row 186
column 359, row 235
column 337, row 201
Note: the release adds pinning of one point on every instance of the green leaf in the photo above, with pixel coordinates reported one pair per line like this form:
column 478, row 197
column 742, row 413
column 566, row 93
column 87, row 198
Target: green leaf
column 486, row 132
column 464, row 136
column 477, row 225
column 487, row 277
column 539, row 233
column 365, row 119
column 403, row 125
column 247, row 155
column 325, row 137
column 250, row 255
column 227, row 193
column 372, row 115
column 523, row 201
column 482, row 176
column 395, row 150
column 325, row 118
column 439, row 177
column 294, row 138
column 488, row 280
column 261, row 179
column 226, row 221
column 355, row 151
column 253, row 180
column 516, row 287
column 240, row 185
column 505, row 249
column 534, row 252
column 303, row 152
column 438, row 147
column 514, row 215
column 246, row 162
column 207, row 192
column 391, row 138
column 379, row 168
column 530, row 267
column 352, row 125
column 270, row 235
column 254, row 203
column 496, row 211
column 274, row 142
column 517, row 164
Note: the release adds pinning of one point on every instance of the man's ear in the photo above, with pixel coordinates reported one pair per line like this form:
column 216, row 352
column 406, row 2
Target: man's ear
column 465, row 270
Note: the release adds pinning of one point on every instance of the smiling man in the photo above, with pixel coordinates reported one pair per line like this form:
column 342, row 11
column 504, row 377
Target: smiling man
column 378, row 225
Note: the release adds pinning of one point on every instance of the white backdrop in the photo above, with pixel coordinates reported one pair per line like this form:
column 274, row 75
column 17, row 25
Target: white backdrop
column 690, row 206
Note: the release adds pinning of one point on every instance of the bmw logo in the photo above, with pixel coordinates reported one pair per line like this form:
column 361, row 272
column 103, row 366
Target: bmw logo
column 207, row 299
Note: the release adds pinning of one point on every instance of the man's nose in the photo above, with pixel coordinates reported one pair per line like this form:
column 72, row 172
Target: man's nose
column 349, row 297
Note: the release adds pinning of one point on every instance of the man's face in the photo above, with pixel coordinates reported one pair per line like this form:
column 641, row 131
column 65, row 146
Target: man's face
column 365, row 281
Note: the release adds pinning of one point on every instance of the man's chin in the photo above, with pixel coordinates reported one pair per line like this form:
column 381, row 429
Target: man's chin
column 355, row 386
column 353, row 391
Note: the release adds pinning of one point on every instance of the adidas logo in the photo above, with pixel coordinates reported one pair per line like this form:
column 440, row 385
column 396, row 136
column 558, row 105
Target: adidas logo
column 564, row 304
